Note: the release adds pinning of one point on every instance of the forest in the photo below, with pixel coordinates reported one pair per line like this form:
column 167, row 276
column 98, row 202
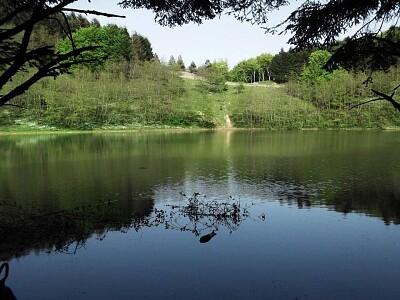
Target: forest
column 123, row 84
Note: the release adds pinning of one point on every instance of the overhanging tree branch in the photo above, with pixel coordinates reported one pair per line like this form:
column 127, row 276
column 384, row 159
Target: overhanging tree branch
column 366, row 102
column 53, row 68
column 92, row 12
column 15, row 55
column 42, row 12
column 383, row 96
column 388, row 98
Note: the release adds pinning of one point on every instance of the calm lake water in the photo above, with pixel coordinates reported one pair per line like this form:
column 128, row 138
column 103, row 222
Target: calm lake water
column 279, row 215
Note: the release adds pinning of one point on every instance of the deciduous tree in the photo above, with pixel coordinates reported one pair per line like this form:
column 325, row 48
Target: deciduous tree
column 315, row 71
column 216, row 75
column 264, row 61
column 112, row 42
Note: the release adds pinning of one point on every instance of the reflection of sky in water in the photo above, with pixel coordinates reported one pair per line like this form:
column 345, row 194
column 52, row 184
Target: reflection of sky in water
column 221, row 188
column 310, row 253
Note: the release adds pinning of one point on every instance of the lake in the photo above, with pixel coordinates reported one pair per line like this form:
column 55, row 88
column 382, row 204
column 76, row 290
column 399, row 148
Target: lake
column 201, row 215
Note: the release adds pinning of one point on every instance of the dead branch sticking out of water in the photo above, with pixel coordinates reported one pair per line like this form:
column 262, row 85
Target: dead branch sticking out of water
column 201, row 214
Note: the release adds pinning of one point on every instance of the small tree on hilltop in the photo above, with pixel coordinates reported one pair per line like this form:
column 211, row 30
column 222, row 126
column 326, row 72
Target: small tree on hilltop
column 172, row 61
column 192, row 67
column 180, row 63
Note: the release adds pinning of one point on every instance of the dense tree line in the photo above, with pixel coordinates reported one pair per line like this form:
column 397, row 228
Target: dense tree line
column 253, row 69
column 280, row 68
column 309, row 76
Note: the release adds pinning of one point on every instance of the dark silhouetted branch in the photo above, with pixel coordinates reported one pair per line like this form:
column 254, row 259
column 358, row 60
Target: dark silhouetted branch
column 92, row 12
column 388, row 98
column 48, row 70
column 382, row 97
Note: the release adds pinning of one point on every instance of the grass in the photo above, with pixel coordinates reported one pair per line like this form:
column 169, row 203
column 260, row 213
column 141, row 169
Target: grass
column 269, row 108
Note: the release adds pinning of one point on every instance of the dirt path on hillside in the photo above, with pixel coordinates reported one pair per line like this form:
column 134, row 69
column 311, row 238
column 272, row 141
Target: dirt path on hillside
column 228, row 122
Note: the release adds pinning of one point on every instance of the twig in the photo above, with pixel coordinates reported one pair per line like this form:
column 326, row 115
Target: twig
column 93, row 12
column 354, row 106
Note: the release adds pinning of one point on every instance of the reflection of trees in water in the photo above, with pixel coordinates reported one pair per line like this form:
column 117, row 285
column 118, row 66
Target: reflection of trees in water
column 200, row 215
column 294, row 194
column 25, row 229
column 383, row 203
column 375, row 201
column 196, row 215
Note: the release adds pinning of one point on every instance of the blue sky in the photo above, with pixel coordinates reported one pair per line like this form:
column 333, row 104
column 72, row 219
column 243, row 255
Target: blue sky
column 222, row 38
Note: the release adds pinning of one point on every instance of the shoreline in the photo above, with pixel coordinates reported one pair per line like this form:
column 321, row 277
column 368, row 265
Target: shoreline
column 177, row 129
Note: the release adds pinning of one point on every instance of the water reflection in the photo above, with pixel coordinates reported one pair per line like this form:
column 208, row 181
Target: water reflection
column 325, row 195
column 343, row 171
column 66, row 231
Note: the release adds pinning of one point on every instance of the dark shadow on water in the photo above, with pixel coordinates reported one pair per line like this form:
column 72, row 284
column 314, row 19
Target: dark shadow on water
column 5, row 292
column 25, row 229
column 207, row 237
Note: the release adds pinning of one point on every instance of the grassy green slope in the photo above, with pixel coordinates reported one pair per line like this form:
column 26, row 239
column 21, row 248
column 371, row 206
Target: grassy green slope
column 159, row 99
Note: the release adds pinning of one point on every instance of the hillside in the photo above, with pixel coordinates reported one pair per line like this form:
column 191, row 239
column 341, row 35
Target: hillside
column 158, row 97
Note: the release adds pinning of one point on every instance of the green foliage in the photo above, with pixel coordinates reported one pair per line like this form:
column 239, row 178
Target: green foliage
column 133, row 94
column 271, row 108
column 172, row 61
column 315, row 72
column 264, row 61
column 274, row 109
column 77, row 21
column 253, row 69
column 155, row 96
column 112, row 41
column 192, row 67
column 180, row 63
column 245, row 71
column 207, row 63
column 288, row 65
column 141, row 48
column 327, row 90
column 344, row 89
column 238, row 73
column 50, row 31
column 216, row 75
column 239, row 88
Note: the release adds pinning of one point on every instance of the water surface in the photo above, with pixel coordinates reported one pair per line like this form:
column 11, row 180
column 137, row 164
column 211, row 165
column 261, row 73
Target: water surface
column 331, row 202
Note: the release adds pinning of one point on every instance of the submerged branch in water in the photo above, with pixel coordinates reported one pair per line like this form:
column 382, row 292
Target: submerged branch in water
column 26, row 229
